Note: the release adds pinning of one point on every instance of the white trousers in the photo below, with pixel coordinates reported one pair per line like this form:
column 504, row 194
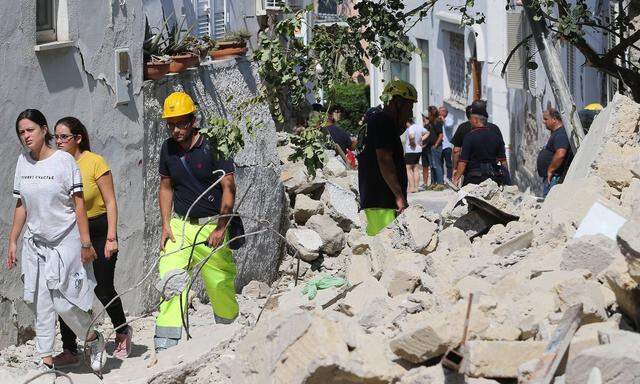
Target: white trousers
column 49, row 303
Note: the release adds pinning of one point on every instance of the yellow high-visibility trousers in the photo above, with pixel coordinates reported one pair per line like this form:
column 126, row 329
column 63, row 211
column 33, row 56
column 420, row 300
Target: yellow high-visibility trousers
column 378, row 219
column 218, row 275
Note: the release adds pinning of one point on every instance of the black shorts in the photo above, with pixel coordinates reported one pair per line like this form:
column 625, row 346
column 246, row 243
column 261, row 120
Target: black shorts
column 411, row 158
column 425, row 156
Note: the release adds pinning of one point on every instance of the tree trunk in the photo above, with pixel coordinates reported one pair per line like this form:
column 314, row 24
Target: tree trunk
column 553, row 68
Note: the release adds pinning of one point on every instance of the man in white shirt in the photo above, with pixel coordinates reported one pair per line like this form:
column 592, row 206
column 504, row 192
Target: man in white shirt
column 415, row 134
column 448, row 131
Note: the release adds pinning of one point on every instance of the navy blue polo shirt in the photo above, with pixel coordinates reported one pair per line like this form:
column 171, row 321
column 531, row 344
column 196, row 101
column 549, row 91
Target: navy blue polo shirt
column 340, row 137
column 481, row 145
column 202, row 164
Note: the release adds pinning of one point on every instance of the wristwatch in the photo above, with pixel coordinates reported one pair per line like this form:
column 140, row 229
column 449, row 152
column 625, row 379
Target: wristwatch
column 86, row 245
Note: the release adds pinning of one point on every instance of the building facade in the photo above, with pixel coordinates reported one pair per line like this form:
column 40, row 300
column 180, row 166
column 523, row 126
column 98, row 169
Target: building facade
column 84, row 58
column 460, row 64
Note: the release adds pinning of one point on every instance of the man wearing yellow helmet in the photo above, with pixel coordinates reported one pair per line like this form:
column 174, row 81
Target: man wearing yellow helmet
column 382, row 174
column 187, row 169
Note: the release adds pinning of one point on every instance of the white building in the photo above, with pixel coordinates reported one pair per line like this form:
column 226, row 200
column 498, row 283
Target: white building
column 461, row 64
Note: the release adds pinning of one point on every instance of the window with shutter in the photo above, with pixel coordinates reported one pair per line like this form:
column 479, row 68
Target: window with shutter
column 456, row 68
column 531, row 49
column 46, row 15
column 328, row 6
column 516, row 66
column 397, row 70
column 218, row 18
column 203, row 21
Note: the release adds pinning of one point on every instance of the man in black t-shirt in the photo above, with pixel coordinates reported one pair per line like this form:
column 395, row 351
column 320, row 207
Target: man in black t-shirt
column 466, row 127
column 554, row 159
column 382, row 174
column 188, row 168
column 482, row 149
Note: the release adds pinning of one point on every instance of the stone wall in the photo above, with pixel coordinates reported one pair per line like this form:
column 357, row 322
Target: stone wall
column 260, row 194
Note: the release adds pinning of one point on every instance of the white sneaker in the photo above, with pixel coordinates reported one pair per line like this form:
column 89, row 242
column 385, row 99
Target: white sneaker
column 95, row 353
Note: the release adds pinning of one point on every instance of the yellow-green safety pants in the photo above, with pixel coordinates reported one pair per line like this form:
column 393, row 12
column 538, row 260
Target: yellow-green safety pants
column 378, row 219
column 218, row 275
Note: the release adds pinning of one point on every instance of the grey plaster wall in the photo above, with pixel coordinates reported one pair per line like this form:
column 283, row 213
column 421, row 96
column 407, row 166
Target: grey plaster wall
column 260, row 193
column 76, row 81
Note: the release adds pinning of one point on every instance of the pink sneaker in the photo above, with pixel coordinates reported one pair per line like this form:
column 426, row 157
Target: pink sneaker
column 123, row 344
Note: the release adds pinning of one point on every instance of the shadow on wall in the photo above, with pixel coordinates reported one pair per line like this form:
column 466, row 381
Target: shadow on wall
column 60, row 70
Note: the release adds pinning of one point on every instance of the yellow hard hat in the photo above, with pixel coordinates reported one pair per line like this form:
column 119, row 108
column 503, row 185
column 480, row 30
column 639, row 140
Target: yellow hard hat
column 401, row 88
column 593, row 107
column 178, row 104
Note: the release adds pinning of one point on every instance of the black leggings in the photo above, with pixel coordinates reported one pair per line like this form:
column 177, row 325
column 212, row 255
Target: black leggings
column 103, row 269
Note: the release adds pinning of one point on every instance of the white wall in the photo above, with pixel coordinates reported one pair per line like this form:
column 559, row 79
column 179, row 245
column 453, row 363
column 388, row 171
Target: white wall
column 510, row 109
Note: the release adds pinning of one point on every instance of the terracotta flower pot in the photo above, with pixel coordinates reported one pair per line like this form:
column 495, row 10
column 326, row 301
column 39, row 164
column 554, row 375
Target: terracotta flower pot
column 180, row 63
column 225, row 53
column 154, row 70
column 231, row 44
column 195, row 61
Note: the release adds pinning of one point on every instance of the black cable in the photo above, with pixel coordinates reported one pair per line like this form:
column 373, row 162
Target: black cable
column 184, row 315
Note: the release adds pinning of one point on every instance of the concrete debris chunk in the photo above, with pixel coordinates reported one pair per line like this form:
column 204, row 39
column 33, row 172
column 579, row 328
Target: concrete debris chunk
column 402, row 272
column 431, row 334
column 311, row 348
column 296, row 179
column 306, row 242
column 256, row 290
column 629, row 242
column 618, row 364
column 612, row 335
column 588, row 336
column 333, row 239
column 437, row 374
column 587, row 293
column 342, row 206
column 306, row 207
column 335, row 167
column 358, row 241
column 627, row 293
column 411, row 230
column 499, row 359
column 592, row 252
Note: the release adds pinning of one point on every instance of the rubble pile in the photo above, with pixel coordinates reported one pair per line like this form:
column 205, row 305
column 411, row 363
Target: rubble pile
column 539, row 280
column 408, row 287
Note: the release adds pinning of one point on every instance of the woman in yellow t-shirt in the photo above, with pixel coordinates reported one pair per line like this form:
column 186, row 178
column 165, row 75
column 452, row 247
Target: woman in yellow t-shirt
column 100, row 202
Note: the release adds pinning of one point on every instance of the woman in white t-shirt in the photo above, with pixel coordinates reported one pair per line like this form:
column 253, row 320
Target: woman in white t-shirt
column 412, row 150
column 56, row 247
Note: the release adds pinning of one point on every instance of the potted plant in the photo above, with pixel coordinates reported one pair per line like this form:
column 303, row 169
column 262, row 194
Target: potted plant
column 200, row 46
column 179, row 48
column 232, row 45
column 156, row 63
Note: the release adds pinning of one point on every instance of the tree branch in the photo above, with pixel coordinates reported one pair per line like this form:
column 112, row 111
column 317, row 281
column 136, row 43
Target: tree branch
column 513, row 52
column 620, row 48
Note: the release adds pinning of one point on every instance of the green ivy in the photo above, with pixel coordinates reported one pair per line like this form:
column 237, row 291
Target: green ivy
column 309, row 147
column 226, row 134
